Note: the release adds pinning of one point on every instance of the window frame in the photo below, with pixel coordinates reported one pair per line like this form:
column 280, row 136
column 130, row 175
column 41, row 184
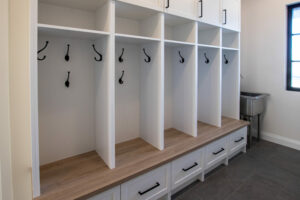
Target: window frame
column 289, row 47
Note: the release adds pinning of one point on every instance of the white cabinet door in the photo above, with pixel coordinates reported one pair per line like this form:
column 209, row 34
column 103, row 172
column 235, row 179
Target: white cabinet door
column 209, row 11
column 153, row 4
column 112, row 194
column 150, row 186
column 184, row 8
column 231, row 14
column 187, row 167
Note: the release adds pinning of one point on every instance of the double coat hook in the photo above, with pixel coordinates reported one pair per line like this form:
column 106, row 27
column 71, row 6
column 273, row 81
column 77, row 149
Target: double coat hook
column 148, row 59
column 181, row 58
column 42, row 49
column 206, row 59
column 226, row 60
column 99, row 54
column 121, row 78
column 67, row 57
column 121, row 56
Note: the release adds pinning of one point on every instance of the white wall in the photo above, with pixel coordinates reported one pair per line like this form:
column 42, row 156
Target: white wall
column 5, row 139
column 263, row 66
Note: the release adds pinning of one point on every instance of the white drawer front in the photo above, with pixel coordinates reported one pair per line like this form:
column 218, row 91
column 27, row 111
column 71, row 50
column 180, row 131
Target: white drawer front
column 187, row 167
column 216, row 152
column 149, row 186
column 237, row 140
column 112, row 194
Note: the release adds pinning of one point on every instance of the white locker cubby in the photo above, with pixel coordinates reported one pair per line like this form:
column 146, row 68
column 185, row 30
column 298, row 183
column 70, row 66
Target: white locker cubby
column 138, row 101
column 179, row 29
column 180, row 88
column 230, row 39
column 209, row 35
column 209, row 85
column 72, row 119
column 88, row 14
column 230, row 84
column 137, row 21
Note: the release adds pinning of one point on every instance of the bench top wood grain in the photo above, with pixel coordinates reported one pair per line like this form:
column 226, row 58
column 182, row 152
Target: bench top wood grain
column 85, row 175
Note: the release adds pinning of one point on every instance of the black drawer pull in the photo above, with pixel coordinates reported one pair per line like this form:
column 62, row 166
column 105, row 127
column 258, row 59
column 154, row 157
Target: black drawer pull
column 216, row 153
column 237, row 141
column 187, row 169
column 148, row 190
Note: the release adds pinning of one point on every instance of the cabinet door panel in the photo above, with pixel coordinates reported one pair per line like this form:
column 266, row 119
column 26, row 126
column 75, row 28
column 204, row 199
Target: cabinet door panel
column 209, row 11
column 231, row 14
column 186, row 8
column 153, row 4
column 112, row 194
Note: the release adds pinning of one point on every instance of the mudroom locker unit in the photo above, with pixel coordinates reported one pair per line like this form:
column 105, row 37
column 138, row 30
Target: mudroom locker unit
column 132, row 99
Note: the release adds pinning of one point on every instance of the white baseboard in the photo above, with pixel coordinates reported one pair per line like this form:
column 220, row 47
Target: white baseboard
column 284, row 141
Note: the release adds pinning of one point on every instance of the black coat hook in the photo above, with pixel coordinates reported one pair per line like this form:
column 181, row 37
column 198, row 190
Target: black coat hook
column 42, row 49
column 67, row 83
column 121, row 78
column 148, row 59
column 181, row 58
column 206, row 59
column 100, row 55
column 120, row 57
column 226, row 60
column 67, row 57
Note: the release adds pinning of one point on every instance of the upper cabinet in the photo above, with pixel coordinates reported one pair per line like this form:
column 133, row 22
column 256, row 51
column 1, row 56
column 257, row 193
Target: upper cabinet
column 231, row 14
column 186, row 8
column 152, row 4
column 209, row 11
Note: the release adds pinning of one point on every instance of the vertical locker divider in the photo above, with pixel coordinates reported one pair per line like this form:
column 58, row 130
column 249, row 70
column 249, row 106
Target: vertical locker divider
column 105, row 134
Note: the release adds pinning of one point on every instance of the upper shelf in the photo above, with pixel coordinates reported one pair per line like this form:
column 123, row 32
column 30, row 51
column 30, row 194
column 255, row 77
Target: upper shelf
column 174, row 43
column 134, row 39
column 62, row 31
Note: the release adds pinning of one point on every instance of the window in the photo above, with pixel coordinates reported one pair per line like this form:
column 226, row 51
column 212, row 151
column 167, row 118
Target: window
column 293, row 48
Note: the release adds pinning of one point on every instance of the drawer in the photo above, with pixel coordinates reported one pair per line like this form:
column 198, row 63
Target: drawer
column 216, row 152
column 187, row 167
column 237, row 140
column 112, row 194
column 149, row 186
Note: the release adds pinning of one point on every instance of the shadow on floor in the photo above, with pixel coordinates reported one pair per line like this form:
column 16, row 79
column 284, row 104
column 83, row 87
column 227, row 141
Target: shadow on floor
column 266, row 172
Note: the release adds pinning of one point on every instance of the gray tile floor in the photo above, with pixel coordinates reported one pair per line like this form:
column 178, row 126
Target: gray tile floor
column 266, row 172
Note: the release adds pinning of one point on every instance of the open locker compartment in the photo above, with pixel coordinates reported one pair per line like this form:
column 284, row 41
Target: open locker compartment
column 230, row 39
column 136, row 21
column 87, row 14
column 138, row 100
column 209, row 86
column 230, row 84
column 73, row 120
column 180, row 89
column 179, row 29
column 209, row 35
